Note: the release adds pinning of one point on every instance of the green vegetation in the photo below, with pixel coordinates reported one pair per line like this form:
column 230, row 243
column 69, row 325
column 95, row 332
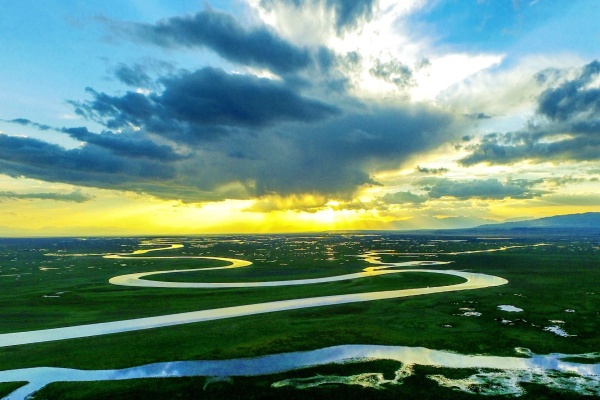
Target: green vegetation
column 80, row 295
column 9, row 387
column 544, row 281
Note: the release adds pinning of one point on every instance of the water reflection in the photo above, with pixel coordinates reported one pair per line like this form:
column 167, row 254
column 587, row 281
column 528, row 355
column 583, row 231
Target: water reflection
column 39, row 377
column 473, row 281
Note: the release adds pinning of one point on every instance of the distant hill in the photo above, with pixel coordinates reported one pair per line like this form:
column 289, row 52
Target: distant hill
column 572, row 225
column 583, row 221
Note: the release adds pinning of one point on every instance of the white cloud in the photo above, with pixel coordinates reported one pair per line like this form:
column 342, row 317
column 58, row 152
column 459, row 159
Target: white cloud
column 384, row 37
column 505, row 91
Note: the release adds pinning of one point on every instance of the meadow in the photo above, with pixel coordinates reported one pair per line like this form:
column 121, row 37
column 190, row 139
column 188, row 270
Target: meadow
column 48, row 283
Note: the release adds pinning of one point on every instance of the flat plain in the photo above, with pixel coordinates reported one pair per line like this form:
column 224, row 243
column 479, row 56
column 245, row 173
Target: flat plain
column 59, row 282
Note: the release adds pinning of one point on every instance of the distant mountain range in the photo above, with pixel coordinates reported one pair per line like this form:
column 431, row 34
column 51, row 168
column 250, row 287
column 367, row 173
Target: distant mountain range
column 586, row 220
column 570, row 224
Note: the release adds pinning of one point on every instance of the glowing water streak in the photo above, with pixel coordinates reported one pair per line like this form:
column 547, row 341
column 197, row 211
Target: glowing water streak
column 473, row 281
column 40, row 377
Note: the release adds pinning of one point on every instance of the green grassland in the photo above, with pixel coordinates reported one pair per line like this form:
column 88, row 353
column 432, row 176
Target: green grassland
column 543, row 281
column 9, row 387
column 78, row 294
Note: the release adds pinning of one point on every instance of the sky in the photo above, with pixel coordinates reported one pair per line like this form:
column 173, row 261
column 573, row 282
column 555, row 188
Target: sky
column 271, row 116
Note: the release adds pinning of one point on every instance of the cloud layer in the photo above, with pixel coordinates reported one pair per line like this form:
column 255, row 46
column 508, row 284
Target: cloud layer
column 483, row 189
column 331, row 158
column 346, row 14
column 75, row 196
column 205, row 103
column 566, row 127
column 289, row 127
column 256, row 46
column 208, row 135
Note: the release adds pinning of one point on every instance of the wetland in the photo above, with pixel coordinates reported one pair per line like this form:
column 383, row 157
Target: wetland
column 66, row 283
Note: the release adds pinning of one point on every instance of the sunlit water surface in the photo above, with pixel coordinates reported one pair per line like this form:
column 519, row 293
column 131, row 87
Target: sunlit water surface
column 515, row 369
column 509, row 371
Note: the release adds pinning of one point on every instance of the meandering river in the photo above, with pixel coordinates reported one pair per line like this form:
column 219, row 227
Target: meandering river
column 39, row 377
column 472, row 281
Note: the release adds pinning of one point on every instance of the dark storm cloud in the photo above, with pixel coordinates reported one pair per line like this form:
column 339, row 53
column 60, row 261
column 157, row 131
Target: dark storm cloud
column 134, row 76
column 348, row 14
column 204, row 104
column 76, row 196
column 495, row 151
column 490, row 189
column 335, row 71
column 326, row 58
column 571, row 98
column 208, row 136
column 338, row 157
column 211, row 96
column 393, row 72
column 86, row 165
column 92, row 166
column 351, row 13
column 477, row 116
column 548, row 76
column 256, row 46
column 330, row 159
column 564, row 180
column 403, row 198
column 572, row 109
column 116, row 112
column 432, row 171
column 20, row 121
column 127, row 145
column 26, row 122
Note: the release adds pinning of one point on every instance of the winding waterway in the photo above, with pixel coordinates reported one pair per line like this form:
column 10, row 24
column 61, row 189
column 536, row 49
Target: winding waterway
column 472, row 281
column 39, row 377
